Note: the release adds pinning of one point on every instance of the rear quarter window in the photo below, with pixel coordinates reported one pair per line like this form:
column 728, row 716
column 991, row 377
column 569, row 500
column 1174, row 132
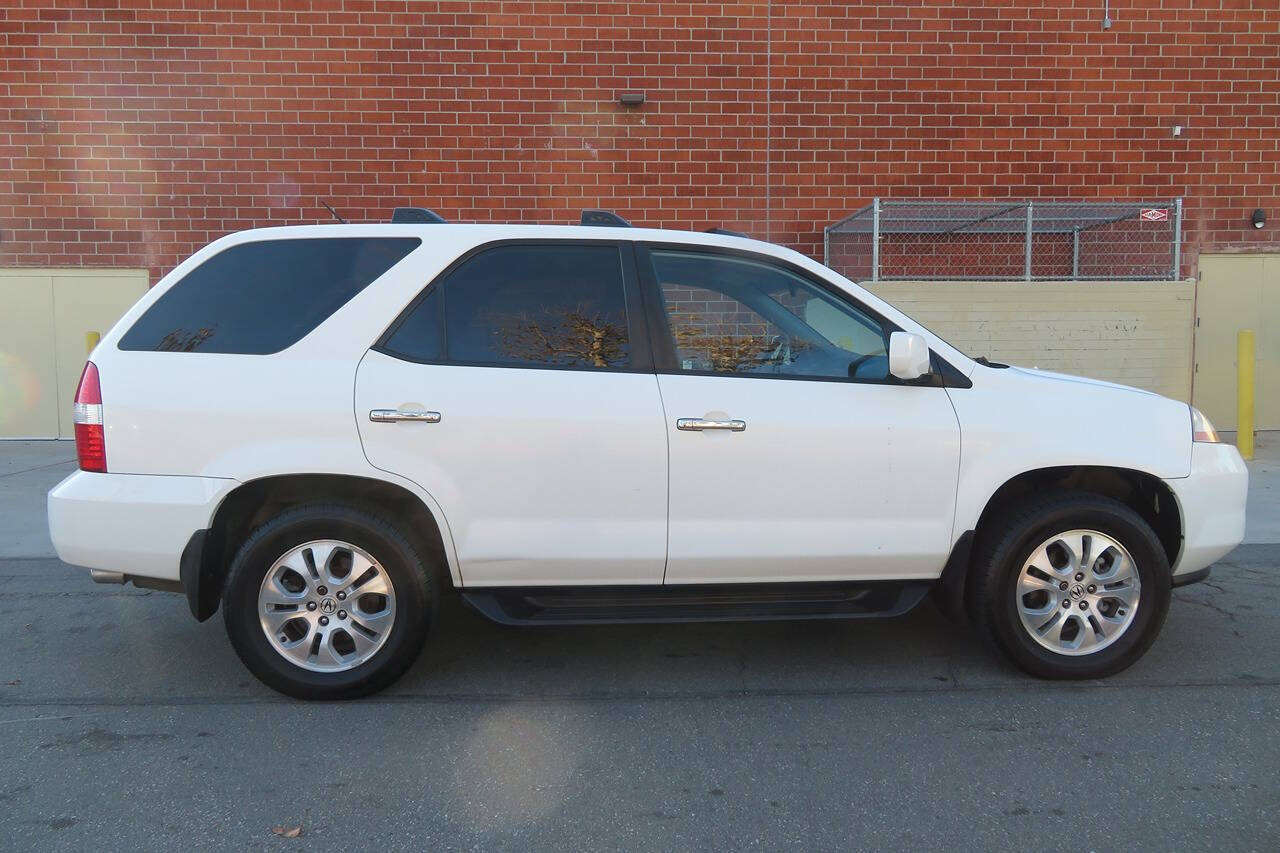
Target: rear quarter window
column 262, row 297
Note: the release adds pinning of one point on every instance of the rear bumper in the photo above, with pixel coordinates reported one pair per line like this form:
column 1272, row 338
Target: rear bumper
column 1212, row 502
column 135, row 524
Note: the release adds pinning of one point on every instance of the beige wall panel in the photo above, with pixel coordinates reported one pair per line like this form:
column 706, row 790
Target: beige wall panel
column 28, row 374
column 44, row 315
column 1134, row 333
column 86, row 301
column 1238, row 291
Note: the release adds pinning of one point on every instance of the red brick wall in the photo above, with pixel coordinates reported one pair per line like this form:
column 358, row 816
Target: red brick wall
column 133, row 131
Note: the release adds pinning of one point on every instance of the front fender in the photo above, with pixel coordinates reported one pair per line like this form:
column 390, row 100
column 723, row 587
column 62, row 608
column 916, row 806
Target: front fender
column 1015, row 421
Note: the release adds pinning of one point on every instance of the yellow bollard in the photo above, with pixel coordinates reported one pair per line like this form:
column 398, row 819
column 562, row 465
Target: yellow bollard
column 1244, row 392
column 90, row 341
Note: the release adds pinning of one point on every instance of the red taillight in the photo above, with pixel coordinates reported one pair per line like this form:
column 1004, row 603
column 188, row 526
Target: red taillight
column 91, row 443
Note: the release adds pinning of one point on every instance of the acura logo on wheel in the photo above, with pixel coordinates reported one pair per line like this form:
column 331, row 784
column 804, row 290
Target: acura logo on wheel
column 1077, row 592
column 328, row 605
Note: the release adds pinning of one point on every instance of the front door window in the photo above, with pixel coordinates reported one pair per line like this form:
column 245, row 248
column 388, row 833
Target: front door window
column 737, row 316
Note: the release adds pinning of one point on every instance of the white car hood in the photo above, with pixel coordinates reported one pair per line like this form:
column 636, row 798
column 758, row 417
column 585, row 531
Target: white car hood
column 1079, row 380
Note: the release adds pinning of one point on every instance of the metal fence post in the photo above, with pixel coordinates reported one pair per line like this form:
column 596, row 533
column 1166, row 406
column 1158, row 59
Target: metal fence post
column 1027, row 260
column 1075, row 251
column 826, row 245
column 1177, row 238
column 875, row 239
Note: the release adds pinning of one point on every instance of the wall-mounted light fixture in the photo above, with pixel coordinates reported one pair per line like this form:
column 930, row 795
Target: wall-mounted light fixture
column 631, row 99
column 1259, row 218
column 1106, row 14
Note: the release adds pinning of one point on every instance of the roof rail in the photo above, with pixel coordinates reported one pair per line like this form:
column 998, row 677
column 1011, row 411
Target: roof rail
column 416, row 216
column 726, row 232
column 604, row 218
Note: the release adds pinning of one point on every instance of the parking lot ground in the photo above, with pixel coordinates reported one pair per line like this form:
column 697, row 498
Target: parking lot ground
column 125, row 723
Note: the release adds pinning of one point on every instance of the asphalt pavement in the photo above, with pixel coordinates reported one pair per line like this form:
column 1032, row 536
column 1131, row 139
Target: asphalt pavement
column 123, row 723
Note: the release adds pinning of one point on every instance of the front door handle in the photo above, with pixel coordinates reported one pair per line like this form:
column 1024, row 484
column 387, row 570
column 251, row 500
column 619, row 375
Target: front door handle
column 699, row 424
column 387, row 416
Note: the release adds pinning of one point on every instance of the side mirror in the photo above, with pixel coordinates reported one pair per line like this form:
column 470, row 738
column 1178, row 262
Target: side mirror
column 908, row 355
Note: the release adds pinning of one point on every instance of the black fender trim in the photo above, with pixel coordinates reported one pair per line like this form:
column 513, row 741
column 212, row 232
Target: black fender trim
column 197, row 583
column 1192, row 577
column 950, row 591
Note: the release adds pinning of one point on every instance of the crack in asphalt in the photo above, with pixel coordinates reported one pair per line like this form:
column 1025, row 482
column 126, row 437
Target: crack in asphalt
column 1240, row 682
column 70, row 461
column 1212, row 605
column 92, row 593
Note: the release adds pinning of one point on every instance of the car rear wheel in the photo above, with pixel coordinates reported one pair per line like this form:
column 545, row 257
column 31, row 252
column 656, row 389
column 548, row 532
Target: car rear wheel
column 1073, row 585
column 327, row 602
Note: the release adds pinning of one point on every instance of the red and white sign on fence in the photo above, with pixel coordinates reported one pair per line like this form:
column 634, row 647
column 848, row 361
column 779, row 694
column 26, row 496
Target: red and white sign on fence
column 1155, row 214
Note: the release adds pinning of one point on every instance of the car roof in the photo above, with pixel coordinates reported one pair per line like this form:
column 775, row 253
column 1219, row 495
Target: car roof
column 483, row 232
column 467, row 235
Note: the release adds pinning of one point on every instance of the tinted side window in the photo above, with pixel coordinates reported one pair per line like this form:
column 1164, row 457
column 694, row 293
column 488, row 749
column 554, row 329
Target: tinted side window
column 261, row 297
column 733, row 315
column 420, row 335
column 538, row 305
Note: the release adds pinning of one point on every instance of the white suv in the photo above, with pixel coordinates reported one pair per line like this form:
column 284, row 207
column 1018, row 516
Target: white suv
column 325, row 429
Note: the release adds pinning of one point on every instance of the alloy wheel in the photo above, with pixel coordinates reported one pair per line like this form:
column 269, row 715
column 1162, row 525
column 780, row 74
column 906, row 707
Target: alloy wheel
column 326, row 606
column 1078, row 592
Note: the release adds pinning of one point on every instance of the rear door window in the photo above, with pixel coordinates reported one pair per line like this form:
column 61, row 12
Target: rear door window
column 523, row 305
column 262, row 297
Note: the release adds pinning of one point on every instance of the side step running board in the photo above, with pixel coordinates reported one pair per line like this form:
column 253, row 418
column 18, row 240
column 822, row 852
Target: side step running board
column 695, row 603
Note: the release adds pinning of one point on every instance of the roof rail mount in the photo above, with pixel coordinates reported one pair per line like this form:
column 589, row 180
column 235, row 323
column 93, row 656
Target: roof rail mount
column 416, row 216
column 726, row 232
column 604, row 218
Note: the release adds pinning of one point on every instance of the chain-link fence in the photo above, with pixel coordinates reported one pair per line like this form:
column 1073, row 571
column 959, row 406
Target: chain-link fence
column 1014, row 240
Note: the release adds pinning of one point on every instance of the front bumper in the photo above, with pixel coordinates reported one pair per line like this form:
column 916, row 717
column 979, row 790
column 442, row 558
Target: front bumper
column 135, row 524
column 1212, row 502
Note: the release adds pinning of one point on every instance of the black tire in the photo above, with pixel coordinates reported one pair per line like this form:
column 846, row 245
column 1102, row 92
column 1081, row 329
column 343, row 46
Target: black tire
column 1011, row 538
column 415, row 599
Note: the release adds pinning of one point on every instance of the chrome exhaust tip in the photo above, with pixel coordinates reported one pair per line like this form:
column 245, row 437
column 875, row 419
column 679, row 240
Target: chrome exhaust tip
column 101, row 576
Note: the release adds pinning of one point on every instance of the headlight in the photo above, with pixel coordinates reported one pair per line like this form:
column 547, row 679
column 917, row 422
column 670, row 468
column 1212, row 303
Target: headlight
column 1201, row 429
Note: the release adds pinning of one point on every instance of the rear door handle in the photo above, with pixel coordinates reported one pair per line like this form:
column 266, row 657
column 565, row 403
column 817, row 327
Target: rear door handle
column 699, row 424
column 387, row 416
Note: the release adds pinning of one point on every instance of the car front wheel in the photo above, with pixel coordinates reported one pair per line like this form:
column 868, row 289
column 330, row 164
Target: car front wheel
column 1074, row 585
column 327, row 602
